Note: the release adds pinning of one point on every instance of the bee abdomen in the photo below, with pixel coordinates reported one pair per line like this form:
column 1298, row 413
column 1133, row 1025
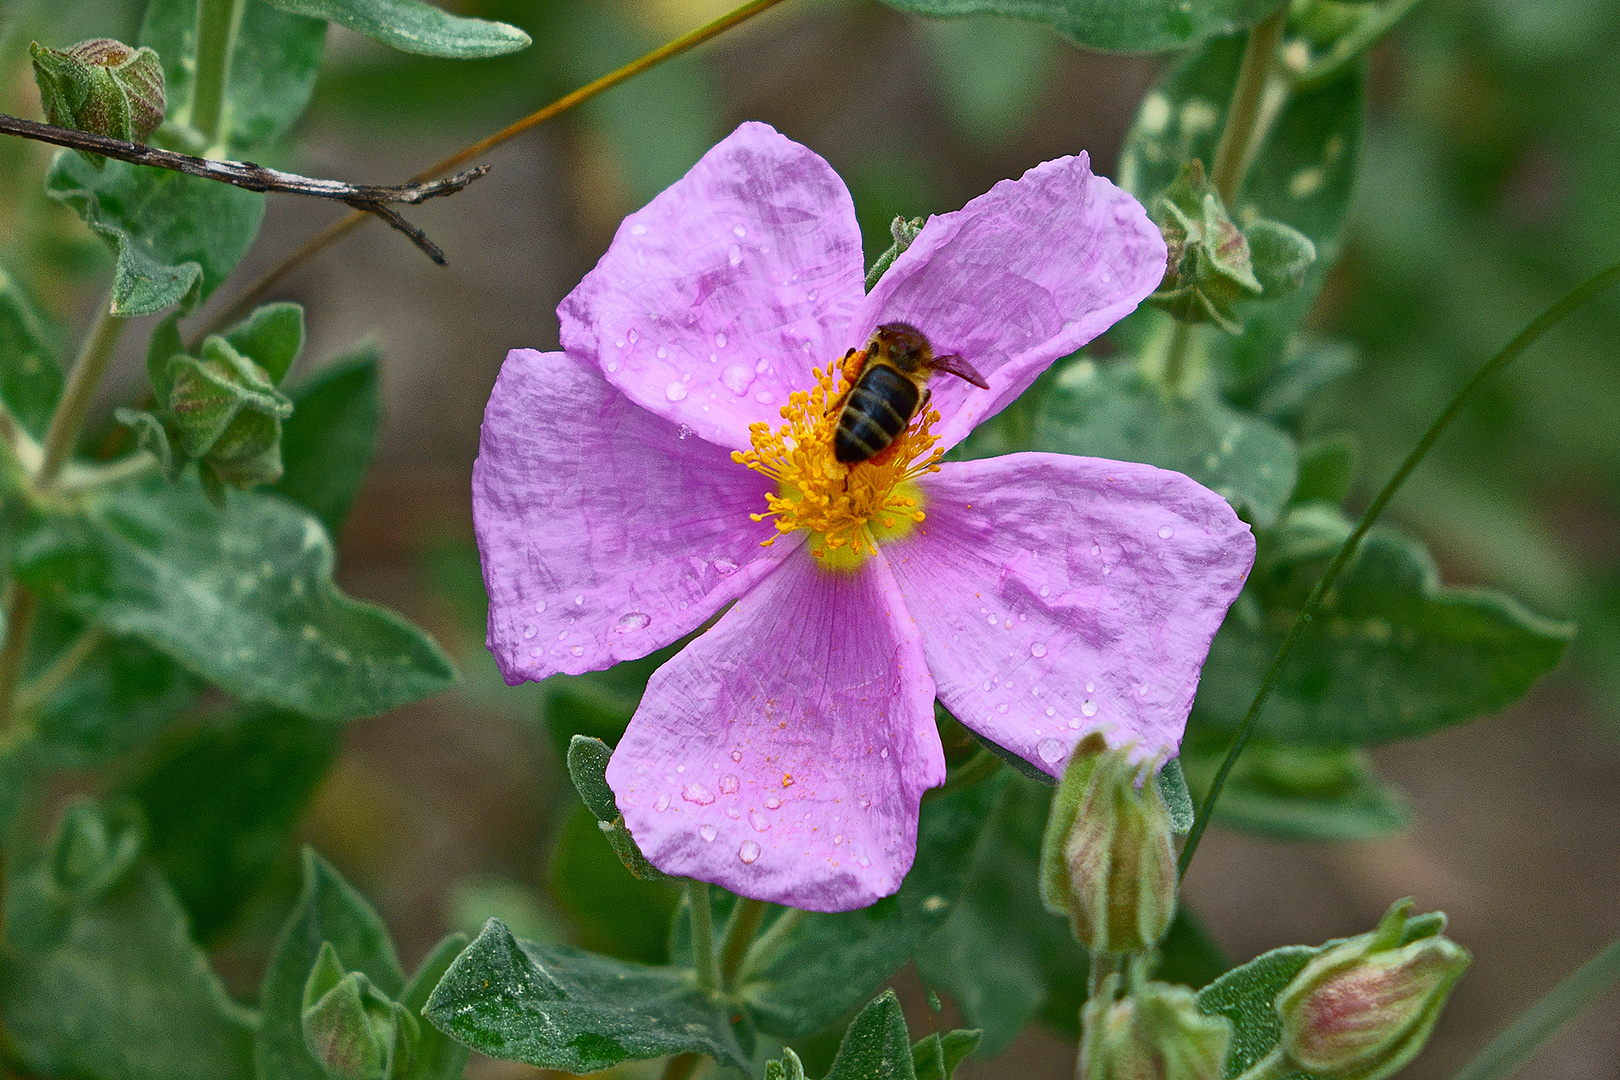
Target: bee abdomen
column 877, row 410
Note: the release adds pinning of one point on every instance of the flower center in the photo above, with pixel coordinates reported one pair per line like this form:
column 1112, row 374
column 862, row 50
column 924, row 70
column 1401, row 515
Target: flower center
column 848, row 509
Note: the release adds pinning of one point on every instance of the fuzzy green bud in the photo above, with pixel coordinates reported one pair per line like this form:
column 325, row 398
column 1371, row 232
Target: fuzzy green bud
column 1155, row 1033
column 101, row 86
column 1363, row 1008
column 351, row 1028
column 228, row 412
column 1106, row 858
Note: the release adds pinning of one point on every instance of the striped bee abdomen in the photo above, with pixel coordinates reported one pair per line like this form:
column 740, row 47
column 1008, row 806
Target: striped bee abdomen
column 878, row 408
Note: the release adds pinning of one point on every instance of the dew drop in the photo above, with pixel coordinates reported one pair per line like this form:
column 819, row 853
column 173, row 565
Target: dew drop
column 991, row 619
column 537, row 651
column 736, row 755
column 632, row 335
column 731, row 812
column 675, row 391
column 765, row 397
column 760, row 365
column 530, row 630
column 619, row 343
column 613, row 365
column 638, row 230
column 734, row 256
column 632, row 621
column 662, row 804
column 579, row 599
column 1166, row 532
column 864, row 861
column 720, row 340
column 866, row 804
column 1046, row 590
column 697, row 793
column 1051, row 751
column 662, row 352
column 680, row 768
column 758, row 821
column 1088, row 707
column 884, row 753
column 813, row 295
column 773, row 803
column 1090, row 687
column 748, row 852
column 1105, row 277
column 683, row 432
column 725, row 567
column 989, row 685
column 708, row 832
column 1050, row 711
column 839, row 839
column 540, row 607
column 561, row 634
column 578, row 650
column 737, row 378
column 1074, row 722
column 728, row 784
column 1038, row 649
column 1096, row 549
column 1002, row 707
column 739, row 231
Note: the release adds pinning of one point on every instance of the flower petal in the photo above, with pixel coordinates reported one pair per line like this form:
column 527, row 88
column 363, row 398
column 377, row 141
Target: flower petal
column 1024, row 274
column 783, row 753
column 1058, row 595
column 717, row 298
column 604, row 532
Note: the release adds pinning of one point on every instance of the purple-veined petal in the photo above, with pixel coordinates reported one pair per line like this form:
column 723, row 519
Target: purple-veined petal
column 783, row 753
column 1058, row 595
column 1024, row 274
column 604, row 531
column 717, row 298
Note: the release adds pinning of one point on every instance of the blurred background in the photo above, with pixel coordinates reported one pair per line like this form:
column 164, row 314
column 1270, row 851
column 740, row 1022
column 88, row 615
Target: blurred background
column 1490, row 184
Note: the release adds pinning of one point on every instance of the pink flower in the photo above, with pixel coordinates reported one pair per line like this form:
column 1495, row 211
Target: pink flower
column 630, row 487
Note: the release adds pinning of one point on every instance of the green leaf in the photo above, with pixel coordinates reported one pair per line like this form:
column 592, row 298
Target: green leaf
column 1297, row 792
column 273, row 66
column 221, row 801
column 172, row 232
column 788, row 1068
column 438, row 1057
column 562, row 1008
column 937, row 1056
column 1122, row 25
column 329, row 911
column 1247, row 997
column 242, row 595
column 1172, row 785
column 988, row 71
column 110, row 986
column 616, row 914
column 30, row 377
column 1302, row 177
column 1113, row 411
column 819, row 971
column 1392, row 654
column 587, row 767
column 153, row 437
column 272, row 337
column 877, row 1045
column 414, row 27
column 328, row 442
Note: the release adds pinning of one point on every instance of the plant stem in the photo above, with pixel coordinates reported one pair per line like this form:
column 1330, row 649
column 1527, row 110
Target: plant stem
column 1313, row 603
column 20, row 608
column 766, row 946
column 1511, row 1049
column 217, row 24
column 1244, row 130
column 703, row 956
column 66, row 663
column 342, row 227
column 88, row 369
column 740, row 930
column 1174, row 375
column 1274, row 1066
column 1103, row 965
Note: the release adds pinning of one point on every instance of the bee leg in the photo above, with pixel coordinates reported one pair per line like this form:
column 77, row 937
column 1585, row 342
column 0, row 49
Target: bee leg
column 922, row 406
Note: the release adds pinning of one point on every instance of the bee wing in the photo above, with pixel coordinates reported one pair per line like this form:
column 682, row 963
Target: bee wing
column 960, row 368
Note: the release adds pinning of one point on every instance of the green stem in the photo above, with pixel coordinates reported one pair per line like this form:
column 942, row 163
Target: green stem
column 20, row 608
column 1274, row 1066
column 1244, row 130
column 217, row 24
column 1527, row 337
column 767, row 945
column 740, row 930
column 704, row 959
column 1174, row 374
column 88, row 369
column 1348, row 49
column 34, row 693
column 1511, row 1049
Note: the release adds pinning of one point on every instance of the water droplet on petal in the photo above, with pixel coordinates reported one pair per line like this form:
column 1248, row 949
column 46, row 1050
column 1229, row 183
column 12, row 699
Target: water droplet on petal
column 864, row 861
column 579, row 599
column 675, row 391
column 1051, row 751
column 662, row 804
column 1074, row 722
column 839, row 839
column 866, row 804
column 631, row 621
column 662, row 352
column 737, row 378
column 619, row 343
column 632, row 335
column 728, row 784
column 683, row 432
column 1166, row 532
column 540, row 607
column 991, row 619
column 758, row 821
column 1088, row 707
column 720, row 340
column 773, row 803
column 1096, row 549
column 1090, row 687
column 734, row 256
column 1050, row 711
column 1046, row 590
column 732, row 813
column 1002, row 707
column 1105, row 277
column 760, row 365
column 697, row 793
column 578, row 650
column 748, row 852
column 884, row 753
column 1038, row 649
column 530, row 630
column 725, row 567
column 989, row 685
column 638, row 230
column 736, row 755
column 708, row 832
column 765, row 397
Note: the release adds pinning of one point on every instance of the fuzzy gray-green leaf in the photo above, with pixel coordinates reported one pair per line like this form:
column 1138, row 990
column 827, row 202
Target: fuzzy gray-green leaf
column 414, row 27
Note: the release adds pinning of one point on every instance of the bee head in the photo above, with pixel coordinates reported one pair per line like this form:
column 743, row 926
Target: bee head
column 903, row 345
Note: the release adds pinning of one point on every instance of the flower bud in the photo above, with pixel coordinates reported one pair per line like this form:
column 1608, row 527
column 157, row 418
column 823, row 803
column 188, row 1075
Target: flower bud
column 350, row 1027
column 1362, row 1009
column 1106, row 859
column 1156, row 1033
column 228, row 412
column 101, row 86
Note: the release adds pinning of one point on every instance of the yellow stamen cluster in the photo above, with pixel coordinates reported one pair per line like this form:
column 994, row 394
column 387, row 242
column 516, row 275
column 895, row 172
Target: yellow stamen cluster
column 848, row 509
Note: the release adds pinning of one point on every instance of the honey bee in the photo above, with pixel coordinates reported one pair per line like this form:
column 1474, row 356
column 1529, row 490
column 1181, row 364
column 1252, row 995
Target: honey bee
column 890, row 389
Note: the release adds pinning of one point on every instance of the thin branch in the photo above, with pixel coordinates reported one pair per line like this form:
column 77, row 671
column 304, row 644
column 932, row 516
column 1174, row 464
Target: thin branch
column 366, row 198
column 341, row 228
column 1313, row 603
column 32, row 694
